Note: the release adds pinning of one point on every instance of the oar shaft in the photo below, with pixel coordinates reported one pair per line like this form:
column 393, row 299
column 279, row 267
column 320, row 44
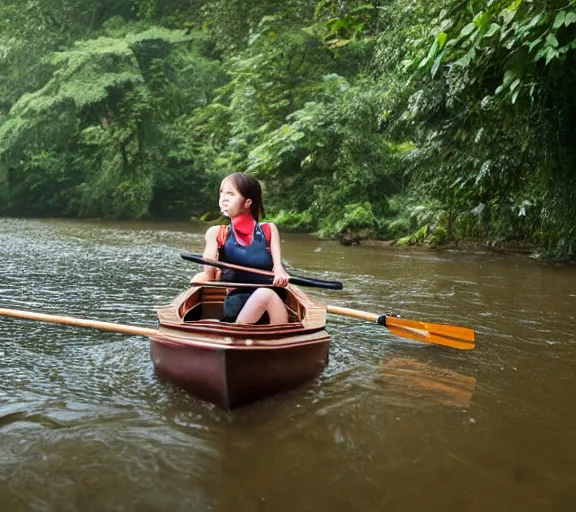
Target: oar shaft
column 80, row 322
column 299, row 281
column 354, row 313
column 222, row 265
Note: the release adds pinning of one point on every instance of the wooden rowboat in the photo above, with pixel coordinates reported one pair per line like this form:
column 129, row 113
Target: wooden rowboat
column 231, row 364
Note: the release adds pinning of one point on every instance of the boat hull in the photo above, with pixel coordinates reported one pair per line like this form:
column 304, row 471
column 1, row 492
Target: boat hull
column 231, row 378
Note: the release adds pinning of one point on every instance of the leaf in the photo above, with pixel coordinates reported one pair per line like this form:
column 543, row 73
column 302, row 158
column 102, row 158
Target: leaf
column 481, row 19
column 508, row 15
column 433, row 49
column 534, row 43
column 560, row 19
column 533, row 22
column 570, row 18
column 465, row 60
column 515, row 96
column 468, row 29
column 456, row 182
column 335, row 24
column 338, row 43
column 406, row 64
column 508, row 78
column 552, row 53
column 541, row 53
column 436, row 64
column 551, row 41
column 363, row 7
column 441, row 38
column 494, row 27
column 319, row 7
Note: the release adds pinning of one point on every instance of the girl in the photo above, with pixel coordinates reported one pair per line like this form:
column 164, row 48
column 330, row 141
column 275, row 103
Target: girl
column 248, row 243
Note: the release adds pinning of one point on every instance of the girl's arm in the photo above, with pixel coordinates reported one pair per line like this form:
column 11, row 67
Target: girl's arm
column 280, row 275
column 210, row 253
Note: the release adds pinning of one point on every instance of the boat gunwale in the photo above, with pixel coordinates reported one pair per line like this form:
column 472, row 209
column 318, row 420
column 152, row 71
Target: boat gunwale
column 228, row 343
column 216, row 329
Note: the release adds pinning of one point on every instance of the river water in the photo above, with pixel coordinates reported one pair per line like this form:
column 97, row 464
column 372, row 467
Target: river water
column 391, row 424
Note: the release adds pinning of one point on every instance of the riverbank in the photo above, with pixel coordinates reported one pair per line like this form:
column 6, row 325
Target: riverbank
column 471, row 245
column 484, row 246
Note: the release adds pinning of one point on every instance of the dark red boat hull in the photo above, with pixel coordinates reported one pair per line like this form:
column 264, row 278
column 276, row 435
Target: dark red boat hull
column 232, row 364
column 230, row 377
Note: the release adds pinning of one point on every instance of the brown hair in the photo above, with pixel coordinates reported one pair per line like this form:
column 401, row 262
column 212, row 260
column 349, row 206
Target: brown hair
column 249, row 187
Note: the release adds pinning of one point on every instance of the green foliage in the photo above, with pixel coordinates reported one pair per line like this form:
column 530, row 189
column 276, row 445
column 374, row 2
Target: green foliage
column 291, row 220
column 489, row 105
column 344, row 22
column 362, row 119
column 119, row 92
column 415, row 238
column 356, row 217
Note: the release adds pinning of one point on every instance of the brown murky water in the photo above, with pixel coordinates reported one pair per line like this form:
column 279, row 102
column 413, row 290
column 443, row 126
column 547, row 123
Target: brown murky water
column 391, row 425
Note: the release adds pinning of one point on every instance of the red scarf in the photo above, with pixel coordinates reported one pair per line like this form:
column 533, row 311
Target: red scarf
column 243, row 226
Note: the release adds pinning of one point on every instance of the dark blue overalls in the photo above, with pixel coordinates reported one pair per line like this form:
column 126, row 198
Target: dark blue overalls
column 256, row 255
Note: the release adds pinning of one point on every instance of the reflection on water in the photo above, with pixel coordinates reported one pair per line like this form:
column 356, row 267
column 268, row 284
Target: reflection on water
column 440, row 385
column 392, row 424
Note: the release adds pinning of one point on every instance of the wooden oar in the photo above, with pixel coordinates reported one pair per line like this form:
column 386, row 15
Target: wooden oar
column 80, row 322
column 438, row 334
column 300, row 281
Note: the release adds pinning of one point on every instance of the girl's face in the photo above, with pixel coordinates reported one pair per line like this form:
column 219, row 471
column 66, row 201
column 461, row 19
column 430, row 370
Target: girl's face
column 231, row 202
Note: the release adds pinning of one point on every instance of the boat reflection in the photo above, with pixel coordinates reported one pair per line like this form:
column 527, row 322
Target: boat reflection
column 444, row 386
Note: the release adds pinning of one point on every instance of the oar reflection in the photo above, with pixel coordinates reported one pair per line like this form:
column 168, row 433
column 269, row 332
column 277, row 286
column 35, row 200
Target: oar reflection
column 445, row 386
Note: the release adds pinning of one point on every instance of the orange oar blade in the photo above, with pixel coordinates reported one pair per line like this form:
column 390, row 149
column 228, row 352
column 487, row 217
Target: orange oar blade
column 429, row 337
column 447, row 331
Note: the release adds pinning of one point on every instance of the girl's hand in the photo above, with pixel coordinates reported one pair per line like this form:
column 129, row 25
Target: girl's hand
column 200, row 278
column 280, row 277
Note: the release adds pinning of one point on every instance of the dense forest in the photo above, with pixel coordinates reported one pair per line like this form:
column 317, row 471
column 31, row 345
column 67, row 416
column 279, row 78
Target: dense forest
column 421, row 120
